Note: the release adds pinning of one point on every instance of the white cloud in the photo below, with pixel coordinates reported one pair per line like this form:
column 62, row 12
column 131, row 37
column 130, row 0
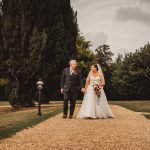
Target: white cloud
column 97, row 20
column 98, row 39
column 144, row 1
column 133, row 13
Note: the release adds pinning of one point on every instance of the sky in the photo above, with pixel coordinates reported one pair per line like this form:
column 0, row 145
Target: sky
column 122, row 24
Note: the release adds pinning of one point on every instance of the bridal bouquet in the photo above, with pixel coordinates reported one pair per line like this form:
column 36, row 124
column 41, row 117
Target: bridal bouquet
column 97, row 90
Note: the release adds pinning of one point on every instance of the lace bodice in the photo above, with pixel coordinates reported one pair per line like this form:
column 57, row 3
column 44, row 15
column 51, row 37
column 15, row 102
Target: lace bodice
column 94, row 80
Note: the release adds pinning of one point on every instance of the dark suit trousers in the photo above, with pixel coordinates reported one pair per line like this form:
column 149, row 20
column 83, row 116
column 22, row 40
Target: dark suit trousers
column 72, row 96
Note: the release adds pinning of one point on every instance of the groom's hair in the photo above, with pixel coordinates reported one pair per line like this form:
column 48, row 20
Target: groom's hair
column 73, row 60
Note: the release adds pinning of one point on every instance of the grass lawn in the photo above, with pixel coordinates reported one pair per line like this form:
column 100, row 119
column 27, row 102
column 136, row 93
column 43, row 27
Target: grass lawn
column 138, row 106
column 13, row 122
column 4, row 103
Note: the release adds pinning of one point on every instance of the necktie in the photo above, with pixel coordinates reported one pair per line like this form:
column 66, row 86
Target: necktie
column 72, row 71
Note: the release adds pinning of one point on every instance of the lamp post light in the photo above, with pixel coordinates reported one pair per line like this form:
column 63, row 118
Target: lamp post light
column 1, row 4
column 39, row 84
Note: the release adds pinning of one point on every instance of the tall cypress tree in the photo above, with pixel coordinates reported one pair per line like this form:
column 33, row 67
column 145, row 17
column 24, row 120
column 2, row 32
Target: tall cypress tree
column 39, row 38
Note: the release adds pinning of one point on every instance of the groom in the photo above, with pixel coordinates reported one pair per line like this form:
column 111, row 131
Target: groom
column 71, row 83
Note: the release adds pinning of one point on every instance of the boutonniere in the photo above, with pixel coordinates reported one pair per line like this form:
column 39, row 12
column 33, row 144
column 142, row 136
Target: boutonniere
column 75, row 72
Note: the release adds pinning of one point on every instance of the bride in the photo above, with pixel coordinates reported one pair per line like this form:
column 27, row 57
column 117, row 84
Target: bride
column 95, row 103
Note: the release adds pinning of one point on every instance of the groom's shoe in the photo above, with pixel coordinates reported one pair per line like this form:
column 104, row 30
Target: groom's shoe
column 71, row 116
column 64, row 116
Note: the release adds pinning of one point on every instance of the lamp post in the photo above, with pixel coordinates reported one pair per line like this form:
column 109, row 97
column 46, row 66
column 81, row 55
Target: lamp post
column 40, row 87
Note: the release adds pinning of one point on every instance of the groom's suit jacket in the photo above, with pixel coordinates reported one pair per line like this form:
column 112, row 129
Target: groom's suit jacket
column 71, row 81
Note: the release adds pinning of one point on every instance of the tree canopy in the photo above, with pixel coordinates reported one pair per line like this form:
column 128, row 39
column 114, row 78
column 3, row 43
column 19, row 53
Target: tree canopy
column 39, row 38
column 131, row 76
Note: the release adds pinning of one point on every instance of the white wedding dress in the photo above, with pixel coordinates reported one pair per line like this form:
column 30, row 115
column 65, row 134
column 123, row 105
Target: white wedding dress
column 90, row 107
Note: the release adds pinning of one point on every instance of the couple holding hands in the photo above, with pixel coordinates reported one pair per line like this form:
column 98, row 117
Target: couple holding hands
column 94, row 104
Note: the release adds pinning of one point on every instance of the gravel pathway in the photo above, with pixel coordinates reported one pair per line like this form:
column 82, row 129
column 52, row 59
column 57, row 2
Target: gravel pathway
column 128, row 131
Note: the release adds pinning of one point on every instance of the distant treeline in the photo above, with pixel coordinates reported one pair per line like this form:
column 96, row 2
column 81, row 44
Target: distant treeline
column 129, row 75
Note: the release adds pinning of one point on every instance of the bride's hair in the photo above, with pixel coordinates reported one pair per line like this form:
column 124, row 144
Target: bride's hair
column 95, row 65
column 98, row 68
